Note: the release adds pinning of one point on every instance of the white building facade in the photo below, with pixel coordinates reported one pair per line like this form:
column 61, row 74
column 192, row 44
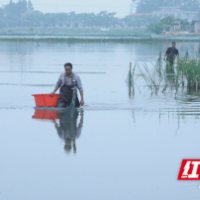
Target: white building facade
column 176, row 13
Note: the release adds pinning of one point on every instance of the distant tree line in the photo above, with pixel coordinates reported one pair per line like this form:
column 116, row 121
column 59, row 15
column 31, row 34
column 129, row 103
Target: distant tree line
column 146, row 6
column 22, row 14
column 102, row 19
column 11, row 14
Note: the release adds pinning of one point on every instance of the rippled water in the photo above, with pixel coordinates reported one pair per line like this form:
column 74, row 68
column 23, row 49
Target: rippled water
column 118, row 147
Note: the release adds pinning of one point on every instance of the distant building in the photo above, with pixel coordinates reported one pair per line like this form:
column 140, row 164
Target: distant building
column 175, row 12
column 196, row 22
column 176, row 25
column 141, row 14
column 34, row 12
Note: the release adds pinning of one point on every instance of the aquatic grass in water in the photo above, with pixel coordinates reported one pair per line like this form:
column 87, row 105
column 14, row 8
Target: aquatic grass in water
column 157, row 78
column 163, row 76
column 151, row 78
column 190, row 73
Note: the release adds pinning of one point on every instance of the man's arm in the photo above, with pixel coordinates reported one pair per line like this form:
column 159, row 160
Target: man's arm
column 80, row 126
column 58, row 84
column 167, row 52
column 80, row 88
column 57, row 127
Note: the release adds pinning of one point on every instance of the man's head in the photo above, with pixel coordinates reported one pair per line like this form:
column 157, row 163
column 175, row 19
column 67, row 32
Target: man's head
column 68, row 68
column 173, row 44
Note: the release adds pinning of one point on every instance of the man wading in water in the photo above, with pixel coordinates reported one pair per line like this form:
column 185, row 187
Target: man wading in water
column 66, row 82
column 171, row 54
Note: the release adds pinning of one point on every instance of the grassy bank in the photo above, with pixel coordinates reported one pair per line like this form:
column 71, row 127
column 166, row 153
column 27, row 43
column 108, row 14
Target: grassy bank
column 75, row 40
column 71, row 31
column 96, row 38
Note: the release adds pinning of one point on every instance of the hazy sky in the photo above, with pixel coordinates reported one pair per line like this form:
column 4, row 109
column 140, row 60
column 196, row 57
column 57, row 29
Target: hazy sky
column 121, row 7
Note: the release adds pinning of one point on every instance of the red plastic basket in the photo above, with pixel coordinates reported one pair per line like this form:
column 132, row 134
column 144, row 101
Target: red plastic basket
column 46, row 100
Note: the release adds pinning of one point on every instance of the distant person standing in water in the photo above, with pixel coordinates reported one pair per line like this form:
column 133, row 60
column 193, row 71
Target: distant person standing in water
column 171, row 54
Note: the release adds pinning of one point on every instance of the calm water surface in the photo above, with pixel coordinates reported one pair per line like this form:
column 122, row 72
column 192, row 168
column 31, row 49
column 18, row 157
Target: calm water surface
column 118, row 147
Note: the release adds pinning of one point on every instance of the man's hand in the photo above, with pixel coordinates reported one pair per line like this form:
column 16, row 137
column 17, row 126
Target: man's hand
column 81, row 102
column 52, row 93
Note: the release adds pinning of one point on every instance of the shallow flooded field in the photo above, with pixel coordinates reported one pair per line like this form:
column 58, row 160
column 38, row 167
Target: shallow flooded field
column 119, row 146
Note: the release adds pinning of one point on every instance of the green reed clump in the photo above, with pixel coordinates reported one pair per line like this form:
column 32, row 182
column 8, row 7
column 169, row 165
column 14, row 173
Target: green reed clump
column 190, row 72
column 163, row 76
column 158, row 78
column 151, row 78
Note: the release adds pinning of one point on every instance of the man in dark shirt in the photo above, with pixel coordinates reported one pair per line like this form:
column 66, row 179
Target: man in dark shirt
column 171, row 54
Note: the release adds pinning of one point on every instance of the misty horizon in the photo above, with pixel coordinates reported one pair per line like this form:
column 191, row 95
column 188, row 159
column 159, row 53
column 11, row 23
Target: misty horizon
column 77, row 6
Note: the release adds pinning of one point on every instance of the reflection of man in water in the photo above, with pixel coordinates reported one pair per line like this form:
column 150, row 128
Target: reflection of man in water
column 68, row 129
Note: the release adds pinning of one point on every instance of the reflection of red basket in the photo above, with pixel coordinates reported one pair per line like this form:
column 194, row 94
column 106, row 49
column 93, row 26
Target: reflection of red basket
column 45, row 114
column 45, row 100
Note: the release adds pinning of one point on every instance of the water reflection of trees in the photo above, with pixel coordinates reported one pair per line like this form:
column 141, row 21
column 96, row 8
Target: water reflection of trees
column 65, row 123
